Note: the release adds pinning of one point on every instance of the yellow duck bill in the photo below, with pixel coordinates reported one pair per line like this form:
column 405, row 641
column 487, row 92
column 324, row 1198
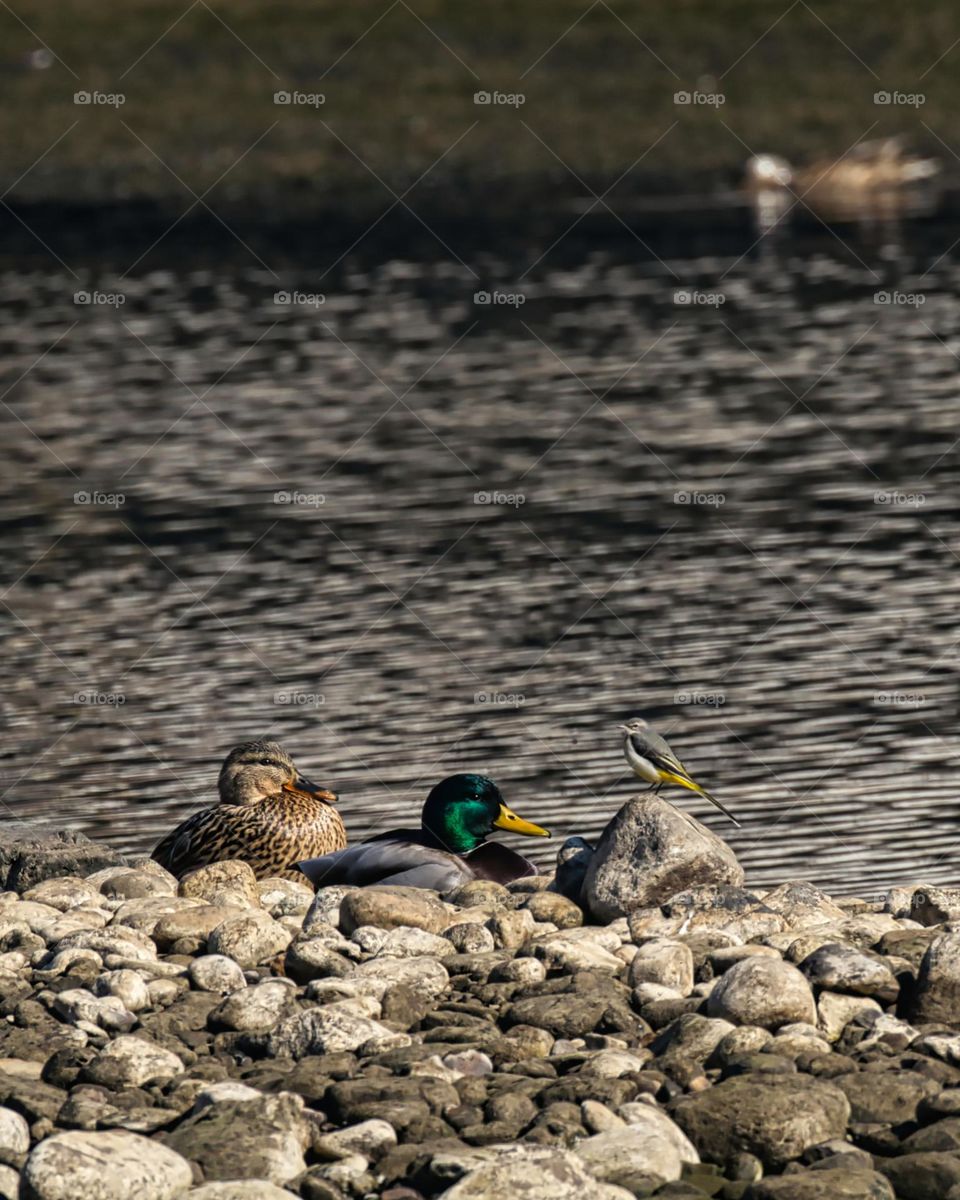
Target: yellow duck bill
column 513, row 824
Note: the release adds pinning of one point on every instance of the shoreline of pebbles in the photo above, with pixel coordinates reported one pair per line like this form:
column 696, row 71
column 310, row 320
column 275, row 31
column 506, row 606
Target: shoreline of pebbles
column 642, row 1025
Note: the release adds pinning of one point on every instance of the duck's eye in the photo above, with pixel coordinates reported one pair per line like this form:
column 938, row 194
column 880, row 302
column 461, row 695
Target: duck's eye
column 267, row 762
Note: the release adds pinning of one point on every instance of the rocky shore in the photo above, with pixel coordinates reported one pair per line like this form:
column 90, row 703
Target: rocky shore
column 644, row 1024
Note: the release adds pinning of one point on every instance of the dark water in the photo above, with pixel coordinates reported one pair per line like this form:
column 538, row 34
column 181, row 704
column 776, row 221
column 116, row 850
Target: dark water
column 740, row 520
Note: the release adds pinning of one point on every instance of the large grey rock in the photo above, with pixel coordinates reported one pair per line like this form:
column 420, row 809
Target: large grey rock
column 29, row 855
column 77, row 1004
column 388, row 908
column 255, row 1009
column 937, row 996
column 835, row 1011
column 249, row 939
column 240, row 1189
column 803, row 905
column 14, row 1133
column 663, row 961
column 734, row 911
column 558, row 909
column 561, row 952
column 837, row 1183
column 469, row 938
column 9, row 1183
column 930, row 1175
column 425, row 975
column 409, row 942
column 775, row 1117
column 691, row 1036
column 109, row 1165
column 227, row 882
column 329, row 1029
column 188, row 928
column 312, row 958
column 648, row 853
column 841, row 968
column 144, row 913
column 649, row 1147
column 762, row 991
column 891, row 1099
column 64, row 892
column 324, row 909
column 653, row 1120
column 146, row 879
column 534, row 1173
column 563, row 1015
column 511, row 929
column 870, row 1028
column 131, row 1061
column 246, row 1139
column 223, row 1092
column 372, row 1139
column 127, row 986
column 935, row 905
column 217, row 973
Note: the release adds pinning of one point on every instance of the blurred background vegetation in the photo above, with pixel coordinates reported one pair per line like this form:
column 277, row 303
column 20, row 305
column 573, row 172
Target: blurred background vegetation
column 398, row 80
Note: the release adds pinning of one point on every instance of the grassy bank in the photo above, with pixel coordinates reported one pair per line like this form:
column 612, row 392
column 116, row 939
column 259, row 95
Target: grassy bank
column 398, row 82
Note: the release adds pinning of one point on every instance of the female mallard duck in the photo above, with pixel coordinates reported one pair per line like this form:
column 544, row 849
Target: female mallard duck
column 269, row 816
column 448, row 849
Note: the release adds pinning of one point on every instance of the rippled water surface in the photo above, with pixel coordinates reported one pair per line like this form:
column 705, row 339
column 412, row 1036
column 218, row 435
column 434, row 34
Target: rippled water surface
column 740, row 520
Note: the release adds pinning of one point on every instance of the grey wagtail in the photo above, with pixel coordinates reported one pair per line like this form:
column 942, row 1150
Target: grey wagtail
column 652, row 759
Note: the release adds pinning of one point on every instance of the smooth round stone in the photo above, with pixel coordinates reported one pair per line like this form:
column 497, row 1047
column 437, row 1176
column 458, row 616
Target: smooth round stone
column 763, row 991
column 216, row 973
column 551, row 906
column 129, row 987
column 14, row 1132
column 108, row 1165
column 664, row 962
column 519, row 970
column 229, row 882
column 249, row 939
column 470, row 939
column 481, row 891
column 222, row 1092
column 132, row 1061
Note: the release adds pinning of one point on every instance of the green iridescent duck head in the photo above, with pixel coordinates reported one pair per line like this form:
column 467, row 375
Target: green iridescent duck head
column 463, row 810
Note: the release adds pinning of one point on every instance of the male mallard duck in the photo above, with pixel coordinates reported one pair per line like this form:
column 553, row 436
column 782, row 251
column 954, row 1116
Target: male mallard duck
column 878, row 180
column 448, row 849
column 269, row 816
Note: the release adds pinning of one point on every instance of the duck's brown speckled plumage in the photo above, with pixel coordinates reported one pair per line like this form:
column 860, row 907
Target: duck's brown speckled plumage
column 269, row 816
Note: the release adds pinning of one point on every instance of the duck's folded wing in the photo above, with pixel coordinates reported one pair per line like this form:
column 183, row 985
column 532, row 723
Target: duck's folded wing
column 389, row 863
column 185, row 847
column 493, row 860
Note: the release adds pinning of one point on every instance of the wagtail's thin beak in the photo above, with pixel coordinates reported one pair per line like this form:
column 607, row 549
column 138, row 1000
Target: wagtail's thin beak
column 510, row 821
column 307, row 787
